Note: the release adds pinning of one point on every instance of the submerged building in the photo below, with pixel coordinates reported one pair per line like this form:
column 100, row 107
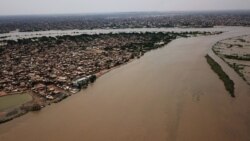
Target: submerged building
column 81, row 82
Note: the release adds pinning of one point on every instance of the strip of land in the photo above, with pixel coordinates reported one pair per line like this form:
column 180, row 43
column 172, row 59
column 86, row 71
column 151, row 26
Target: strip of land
column 228, row 83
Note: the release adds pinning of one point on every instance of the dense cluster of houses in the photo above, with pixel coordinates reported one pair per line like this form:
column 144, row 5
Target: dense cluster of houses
column 49, row 67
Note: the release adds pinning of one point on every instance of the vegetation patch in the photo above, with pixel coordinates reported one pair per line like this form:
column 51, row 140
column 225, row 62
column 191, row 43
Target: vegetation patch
column 228, row 83
column 238, row 69
column 235, row 57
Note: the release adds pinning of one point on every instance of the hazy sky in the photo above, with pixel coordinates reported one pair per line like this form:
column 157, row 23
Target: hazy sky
column 13, row 7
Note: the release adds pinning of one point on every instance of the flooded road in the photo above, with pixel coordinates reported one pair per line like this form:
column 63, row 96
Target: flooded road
column 170, row 94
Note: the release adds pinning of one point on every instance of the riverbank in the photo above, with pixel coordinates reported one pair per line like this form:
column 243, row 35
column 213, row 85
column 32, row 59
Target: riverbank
column 47, row 89
column 35, row 104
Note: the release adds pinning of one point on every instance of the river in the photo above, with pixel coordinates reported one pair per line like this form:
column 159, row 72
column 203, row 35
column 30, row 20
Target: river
column 53, row 33
column 168, row 94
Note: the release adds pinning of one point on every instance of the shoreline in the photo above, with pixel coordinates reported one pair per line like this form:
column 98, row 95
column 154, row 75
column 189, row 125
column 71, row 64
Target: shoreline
column 37, row 102
column 22, row 109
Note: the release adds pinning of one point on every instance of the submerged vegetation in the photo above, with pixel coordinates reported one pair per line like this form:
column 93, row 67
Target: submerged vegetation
column 238, row 69
column 236, row 57
column 228, row 83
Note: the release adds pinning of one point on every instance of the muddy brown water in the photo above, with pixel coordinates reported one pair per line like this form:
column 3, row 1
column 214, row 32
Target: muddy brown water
column 170, row 94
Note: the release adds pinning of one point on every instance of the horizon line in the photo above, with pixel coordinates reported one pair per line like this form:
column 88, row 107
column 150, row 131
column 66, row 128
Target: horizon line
column 126, row 12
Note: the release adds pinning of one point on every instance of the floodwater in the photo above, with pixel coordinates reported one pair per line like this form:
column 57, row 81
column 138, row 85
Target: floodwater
column 13, row 101
column 170, row 94
column 53, row 33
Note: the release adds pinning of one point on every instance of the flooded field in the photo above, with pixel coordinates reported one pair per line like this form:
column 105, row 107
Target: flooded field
column 168, row 94
column 236, row 52
column 12, row 101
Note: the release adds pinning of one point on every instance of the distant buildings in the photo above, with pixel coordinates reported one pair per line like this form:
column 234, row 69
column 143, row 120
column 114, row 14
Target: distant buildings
column 126, row 20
